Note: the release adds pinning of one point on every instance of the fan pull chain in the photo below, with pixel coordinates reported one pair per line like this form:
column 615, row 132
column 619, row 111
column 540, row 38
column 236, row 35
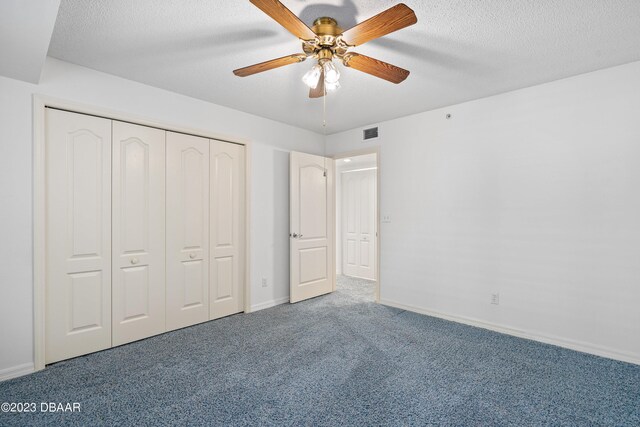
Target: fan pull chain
column 324, row 108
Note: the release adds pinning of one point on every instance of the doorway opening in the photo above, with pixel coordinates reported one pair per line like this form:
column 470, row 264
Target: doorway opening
column 357, row 241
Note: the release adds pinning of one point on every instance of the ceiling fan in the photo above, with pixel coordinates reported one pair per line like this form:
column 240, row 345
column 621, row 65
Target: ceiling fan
column 326, row 41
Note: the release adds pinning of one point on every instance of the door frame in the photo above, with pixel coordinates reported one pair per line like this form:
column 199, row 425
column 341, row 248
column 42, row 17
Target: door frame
column 355, row 153
column 40, row 103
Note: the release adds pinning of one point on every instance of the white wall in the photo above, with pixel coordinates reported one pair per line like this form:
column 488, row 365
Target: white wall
column 271, row 142
column 25, row 32
column 532, row 194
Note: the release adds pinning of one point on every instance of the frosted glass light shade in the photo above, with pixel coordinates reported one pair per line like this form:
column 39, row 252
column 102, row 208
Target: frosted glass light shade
column 331, row 87
column 312, row 77
column 331, row 73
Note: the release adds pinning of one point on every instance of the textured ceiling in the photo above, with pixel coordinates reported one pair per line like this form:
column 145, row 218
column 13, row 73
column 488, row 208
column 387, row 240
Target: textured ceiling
column 458, row 51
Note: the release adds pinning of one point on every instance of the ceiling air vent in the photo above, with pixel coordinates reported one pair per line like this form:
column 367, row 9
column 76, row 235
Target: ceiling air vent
column 370, row 133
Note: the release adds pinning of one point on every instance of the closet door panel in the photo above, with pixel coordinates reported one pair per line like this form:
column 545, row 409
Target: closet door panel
column 78, row 231
column 359, row 223
column 350, row 209
column 187, row 230
column 367, row 229
column 138, row 232
column 227, row 229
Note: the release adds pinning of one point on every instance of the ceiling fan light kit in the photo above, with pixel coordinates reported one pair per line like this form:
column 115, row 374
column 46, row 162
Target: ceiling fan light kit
column 326, row 41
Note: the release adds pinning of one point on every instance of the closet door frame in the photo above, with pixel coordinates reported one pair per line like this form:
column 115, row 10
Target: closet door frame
column 40, row 103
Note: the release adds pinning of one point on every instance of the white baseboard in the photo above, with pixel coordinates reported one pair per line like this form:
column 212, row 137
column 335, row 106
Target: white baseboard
column 269, row 304
column 547, row 339
column 16, row 371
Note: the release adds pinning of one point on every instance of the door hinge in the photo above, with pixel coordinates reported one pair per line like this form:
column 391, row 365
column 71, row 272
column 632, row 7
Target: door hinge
column 324, row 173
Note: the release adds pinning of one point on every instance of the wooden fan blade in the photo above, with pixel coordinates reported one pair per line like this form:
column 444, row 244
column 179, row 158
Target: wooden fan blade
column 376, row 67
column 318, row 92
column 269, row 65
column 393, row 19
column 285, row 17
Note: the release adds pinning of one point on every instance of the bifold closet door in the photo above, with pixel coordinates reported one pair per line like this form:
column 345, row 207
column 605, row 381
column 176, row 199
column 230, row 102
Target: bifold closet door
column 227, row 229
column 138, row 240
column 78, row 235
column 187, row 230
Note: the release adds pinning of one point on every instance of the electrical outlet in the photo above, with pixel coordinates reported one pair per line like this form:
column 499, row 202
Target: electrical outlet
column 495, row 299
column 264, row 282
column 386, row 218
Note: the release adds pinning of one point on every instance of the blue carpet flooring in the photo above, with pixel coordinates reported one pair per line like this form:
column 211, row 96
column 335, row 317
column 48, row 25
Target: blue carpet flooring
column 335, row 360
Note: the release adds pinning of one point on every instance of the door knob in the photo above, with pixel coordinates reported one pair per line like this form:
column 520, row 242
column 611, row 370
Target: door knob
column 192, row 255
column 134, row 261
column 294, row 235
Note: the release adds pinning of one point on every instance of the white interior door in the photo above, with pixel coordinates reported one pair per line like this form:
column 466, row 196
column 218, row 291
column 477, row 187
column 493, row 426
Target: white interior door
column 187, row 230
column 227, row 185
column 359, row 223
column 78, row 239
column 138, row 288
column 312, row 222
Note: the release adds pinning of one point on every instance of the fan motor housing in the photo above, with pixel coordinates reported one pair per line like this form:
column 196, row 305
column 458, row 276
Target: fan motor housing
column 327, row 29
column 326, row 26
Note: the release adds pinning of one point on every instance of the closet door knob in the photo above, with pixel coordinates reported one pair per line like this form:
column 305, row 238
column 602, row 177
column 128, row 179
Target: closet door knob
column 192, row 255
column 134, row 261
